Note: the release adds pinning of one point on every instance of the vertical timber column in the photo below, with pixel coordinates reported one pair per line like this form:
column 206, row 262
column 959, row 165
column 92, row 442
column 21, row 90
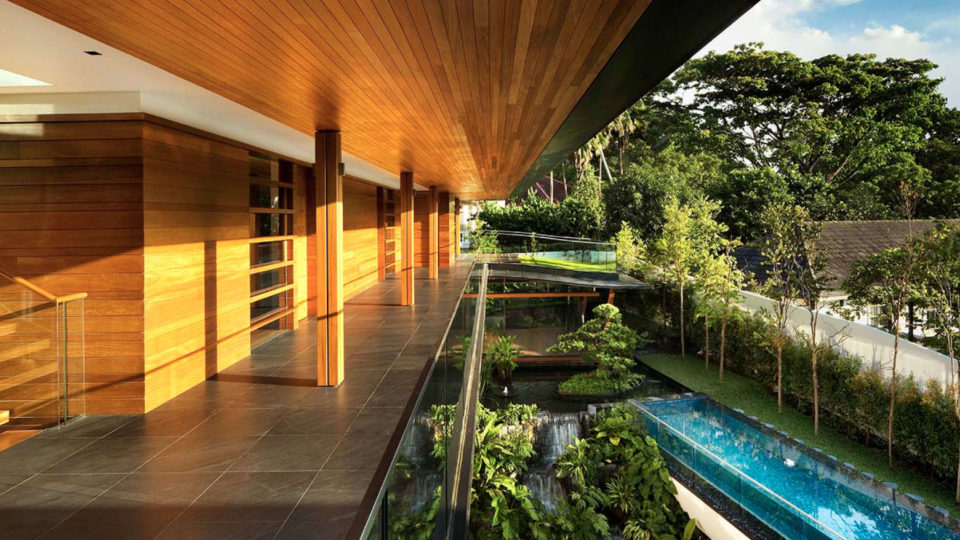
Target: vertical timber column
column 406, row 239
column 329, row 238
column 456, row 228
column 381, row 234
column 433, row 243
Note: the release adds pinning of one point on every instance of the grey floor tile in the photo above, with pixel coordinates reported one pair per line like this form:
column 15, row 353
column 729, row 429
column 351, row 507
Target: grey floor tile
column 163, row 423
column 112, row 455
column 38, row 504
column 376, row 422
column 333, row 480
column 288, row 453
column 199, row 453
column 233, row 423
column 327, row 505
column 358, row 452
column 315, row 422
column 88, row 426
column 390, row 396
column 250, row 496
column 146, row 498
column 209, row 530
column 36, row 454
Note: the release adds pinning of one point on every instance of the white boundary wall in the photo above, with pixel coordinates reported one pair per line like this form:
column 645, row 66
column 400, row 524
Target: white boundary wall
column 715, row 526
column 871, row 344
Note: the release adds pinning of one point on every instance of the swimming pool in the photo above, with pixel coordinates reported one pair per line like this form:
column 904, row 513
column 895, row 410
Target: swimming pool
column 774, row 479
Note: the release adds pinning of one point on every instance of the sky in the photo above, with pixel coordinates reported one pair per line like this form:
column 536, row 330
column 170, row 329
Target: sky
column 888, row 28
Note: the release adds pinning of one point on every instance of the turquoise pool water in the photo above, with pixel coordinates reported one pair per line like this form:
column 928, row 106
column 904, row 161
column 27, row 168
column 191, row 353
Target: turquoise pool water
column 790, row 491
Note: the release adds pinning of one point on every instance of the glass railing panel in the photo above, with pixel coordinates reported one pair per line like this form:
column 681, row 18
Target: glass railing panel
column 41, row 355
column 73, row 374
column 415, row 501
column 552, row 251
column 28, row 357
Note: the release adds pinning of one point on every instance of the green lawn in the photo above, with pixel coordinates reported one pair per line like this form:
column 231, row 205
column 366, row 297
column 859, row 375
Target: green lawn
column 567, row 265
column 742, row 393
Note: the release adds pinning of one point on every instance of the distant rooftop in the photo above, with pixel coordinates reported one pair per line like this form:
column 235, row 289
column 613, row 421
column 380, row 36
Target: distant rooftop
column 844, row 243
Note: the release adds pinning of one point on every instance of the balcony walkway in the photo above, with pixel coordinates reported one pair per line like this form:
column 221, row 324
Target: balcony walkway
column 259, row 452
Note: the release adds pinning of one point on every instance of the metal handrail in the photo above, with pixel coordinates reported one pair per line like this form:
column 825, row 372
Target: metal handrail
column 742, row 475
column 459, row 467
column 539, row 236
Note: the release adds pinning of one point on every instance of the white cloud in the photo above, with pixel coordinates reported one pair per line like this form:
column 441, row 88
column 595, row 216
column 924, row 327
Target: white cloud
column 783, row 24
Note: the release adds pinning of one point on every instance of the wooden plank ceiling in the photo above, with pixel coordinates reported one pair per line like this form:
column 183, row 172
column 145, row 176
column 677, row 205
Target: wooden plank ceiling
column 465, row 93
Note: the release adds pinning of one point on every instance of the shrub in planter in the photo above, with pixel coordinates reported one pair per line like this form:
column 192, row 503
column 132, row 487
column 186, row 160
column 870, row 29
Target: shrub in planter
column 606, row 341
column 501, row 354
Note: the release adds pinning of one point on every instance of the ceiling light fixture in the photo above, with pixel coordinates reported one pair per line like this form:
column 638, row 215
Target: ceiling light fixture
column 93, row 53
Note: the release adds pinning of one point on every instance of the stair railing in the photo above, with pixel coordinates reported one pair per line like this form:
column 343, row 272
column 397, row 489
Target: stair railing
column 42, row 354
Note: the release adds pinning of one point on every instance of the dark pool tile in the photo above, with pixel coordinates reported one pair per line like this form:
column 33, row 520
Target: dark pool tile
column 358, row 452
column 112, row 455
column 288, row 453
column 208, row 530
column 376, row 422
column 199, row 453
column 250, row 496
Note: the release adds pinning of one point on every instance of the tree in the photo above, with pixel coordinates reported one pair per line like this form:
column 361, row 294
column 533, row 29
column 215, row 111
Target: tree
column 631, row 252
column 720, row 281
column 689, row 233
column 810, row 286
column 782, row 250
column 887, row 279
column 639, row 194
column 941, row 275
column 829, row 127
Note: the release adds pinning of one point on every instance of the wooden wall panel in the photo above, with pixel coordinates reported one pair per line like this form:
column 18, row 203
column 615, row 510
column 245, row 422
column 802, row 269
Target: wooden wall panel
column 71, row 220
column 359, row 236
column 196, row 259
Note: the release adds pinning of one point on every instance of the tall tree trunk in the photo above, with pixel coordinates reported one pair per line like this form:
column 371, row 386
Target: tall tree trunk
column 683, row 346
column 780, row 373
column 956, row 403
column 893, row 390
column 603, row 163
column 706, row 342
column 723, row 344
column 813, row 365
column 551, row 187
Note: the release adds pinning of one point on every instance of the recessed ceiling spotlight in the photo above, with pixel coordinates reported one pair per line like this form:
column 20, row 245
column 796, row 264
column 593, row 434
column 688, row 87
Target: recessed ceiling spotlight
column 93, row 53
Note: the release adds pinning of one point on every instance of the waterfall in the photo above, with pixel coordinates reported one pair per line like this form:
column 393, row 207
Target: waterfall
column 418, row 440
column 418, row 491
column 555, row 432
column 545, row 487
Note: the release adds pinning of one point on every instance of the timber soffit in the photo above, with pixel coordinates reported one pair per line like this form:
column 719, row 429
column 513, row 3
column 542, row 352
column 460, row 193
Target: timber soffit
column 667, row 35
column 464, row 93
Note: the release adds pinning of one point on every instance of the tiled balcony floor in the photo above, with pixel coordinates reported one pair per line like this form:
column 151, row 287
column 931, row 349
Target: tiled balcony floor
column 257, row 453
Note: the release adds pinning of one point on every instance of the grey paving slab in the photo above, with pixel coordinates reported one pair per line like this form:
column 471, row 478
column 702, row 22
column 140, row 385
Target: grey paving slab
column 256, row 452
